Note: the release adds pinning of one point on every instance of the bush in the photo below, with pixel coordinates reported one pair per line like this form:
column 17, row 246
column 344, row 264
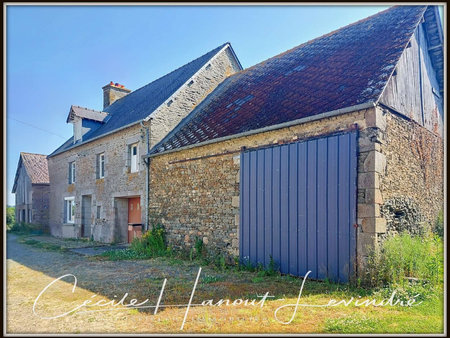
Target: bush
column 152, row 243
column 404, row 256
column 10, row 217
column 25, row 228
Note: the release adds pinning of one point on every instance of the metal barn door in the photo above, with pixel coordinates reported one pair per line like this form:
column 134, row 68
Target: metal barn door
column 298, row 206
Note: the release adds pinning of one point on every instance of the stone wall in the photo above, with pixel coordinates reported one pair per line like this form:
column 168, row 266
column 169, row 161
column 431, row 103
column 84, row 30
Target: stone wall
column 194, row 193
column 40, row 205
column 413, row 182
column 169, row 114
column 118, row 184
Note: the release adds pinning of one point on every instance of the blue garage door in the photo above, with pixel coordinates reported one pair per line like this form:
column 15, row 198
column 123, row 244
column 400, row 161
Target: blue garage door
column 298, row 206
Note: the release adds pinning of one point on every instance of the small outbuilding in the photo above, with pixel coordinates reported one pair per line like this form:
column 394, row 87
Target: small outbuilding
column 311, row 157
column 32, row 189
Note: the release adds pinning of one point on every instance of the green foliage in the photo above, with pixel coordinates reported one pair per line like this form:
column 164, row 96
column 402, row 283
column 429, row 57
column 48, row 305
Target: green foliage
column 122, row 254
column 272, row 268
column 219, row 262
column 42, row 245
column 199, row 247
column 211, row 279
column 404, row 256
column 24, row 228
column 10, row 217
column 439, row 224
column 151, row 244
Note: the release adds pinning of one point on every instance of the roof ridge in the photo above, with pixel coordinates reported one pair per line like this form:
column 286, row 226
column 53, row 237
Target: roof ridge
column 323, row 36
column 173, row 71
column 26, row 153
column 342, row 70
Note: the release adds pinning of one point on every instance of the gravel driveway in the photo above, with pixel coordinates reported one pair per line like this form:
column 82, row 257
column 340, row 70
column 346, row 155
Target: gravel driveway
column 106, row 277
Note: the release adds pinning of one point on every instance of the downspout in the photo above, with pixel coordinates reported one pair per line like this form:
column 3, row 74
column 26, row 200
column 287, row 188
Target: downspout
column 147, row 176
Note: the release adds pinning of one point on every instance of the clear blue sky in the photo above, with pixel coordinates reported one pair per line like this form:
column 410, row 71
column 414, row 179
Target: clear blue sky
column 62, row 55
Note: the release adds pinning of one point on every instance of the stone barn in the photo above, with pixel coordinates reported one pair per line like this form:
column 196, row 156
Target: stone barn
column 312, row 156
column 98, row 177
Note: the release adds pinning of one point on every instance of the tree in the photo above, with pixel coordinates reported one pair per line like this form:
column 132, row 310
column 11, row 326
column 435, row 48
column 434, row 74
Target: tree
column 10, row 217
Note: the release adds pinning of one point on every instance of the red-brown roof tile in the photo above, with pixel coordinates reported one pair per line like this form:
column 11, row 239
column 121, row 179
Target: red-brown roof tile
column 344, row 68
column 36, row 167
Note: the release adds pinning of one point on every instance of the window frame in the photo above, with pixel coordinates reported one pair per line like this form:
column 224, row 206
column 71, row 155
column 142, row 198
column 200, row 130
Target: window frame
column 72, row 172
column 134, row 162
column 100, row 165
column 69, row 210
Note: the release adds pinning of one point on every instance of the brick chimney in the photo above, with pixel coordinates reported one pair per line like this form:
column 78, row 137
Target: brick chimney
column 112, row 92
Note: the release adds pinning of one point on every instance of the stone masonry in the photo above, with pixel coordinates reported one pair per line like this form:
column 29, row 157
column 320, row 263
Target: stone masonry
column 194, row 192
column 111, row 192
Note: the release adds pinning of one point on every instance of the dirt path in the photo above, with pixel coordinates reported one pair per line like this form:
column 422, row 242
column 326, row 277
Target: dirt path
column 31, row 269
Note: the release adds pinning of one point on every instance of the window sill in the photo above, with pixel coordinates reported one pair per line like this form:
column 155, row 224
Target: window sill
column 69, row 224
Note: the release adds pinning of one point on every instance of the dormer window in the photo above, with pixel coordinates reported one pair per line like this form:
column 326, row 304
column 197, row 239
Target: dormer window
column 84, row 120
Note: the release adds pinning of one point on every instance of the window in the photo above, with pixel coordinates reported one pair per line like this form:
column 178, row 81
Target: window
column 100, row 165
column 69, row 210
column 99, row 210
column 134, row 158
column 72, row 172
column 30, row 219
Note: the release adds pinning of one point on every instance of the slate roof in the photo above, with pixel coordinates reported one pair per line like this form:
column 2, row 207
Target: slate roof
column 36, row 168
column 138, row 104
column 86, row 113
column 344, row 68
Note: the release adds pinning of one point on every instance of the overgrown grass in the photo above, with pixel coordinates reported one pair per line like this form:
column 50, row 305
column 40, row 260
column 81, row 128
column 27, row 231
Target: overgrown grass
column 403, row 256
column 151, row 244
column 412, row 266
column 42, row 245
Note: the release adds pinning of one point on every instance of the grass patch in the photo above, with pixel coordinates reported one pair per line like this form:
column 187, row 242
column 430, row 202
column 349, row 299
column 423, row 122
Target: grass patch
column 122, row 254
column 211, row 279
column 42, row 245
column 403, row 257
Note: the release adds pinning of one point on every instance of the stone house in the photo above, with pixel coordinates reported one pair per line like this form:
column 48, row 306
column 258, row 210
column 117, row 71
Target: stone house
column 98, row 177
column 32, row 189
column 312, row 156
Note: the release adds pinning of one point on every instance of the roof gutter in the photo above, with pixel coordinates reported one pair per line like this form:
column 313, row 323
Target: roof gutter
column 332, row 113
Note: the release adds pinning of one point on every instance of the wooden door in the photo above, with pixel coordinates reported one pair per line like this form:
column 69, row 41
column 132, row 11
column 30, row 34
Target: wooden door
column 134, row 210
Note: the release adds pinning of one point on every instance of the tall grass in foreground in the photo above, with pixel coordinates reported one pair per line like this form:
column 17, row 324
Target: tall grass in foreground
column 404, row 256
